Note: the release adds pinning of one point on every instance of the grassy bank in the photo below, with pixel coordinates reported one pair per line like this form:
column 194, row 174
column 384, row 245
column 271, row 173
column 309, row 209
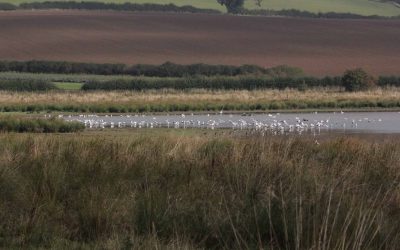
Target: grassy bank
column 187, row 192
column 197, row 100
column 21, row 124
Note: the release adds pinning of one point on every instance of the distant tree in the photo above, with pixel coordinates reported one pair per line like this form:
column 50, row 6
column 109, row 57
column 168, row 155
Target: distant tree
column 357, row 79
column 258, row 2
column 232, row 6
column 236, row 6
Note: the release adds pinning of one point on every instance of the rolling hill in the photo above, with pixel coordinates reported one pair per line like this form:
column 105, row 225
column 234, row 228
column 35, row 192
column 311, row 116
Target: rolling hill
column 319, row 46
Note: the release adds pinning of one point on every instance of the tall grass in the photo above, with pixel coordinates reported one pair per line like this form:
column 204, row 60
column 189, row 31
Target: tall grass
column 36, row 125
column 197, row 100
column 187, row 192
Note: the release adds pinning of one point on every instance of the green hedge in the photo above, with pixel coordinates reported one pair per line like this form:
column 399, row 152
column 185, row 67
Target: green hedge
column 167, row 69
column 92, row 5
column 26, row 85
column 7, row 6
column 236, row 83
column 389, row 81
column 307, row 14
column 195, row 82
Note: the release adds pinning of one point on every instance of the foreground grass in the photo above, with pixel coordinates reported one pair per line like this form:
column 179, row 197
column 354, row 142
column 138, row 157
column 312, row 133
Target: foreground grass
column 186, row 192
column 197, row 100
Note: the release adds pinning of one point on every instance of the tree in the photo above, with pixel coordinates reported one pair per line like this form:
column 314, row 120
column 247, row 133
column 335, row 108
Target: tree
column 232, row 6
column 357, row 79
column 258, row 2
column 236, row 6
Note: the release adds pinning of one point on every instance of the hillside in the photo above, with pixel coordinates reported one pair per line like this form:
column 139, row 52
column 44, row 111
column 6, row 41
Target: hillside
column 319, row 46
column 363, row 7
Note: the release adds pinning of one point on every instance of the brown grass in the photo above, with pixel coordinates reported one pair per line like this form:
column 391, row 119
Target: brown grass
column 319, row 46
column 194, row 96
column 200, row 191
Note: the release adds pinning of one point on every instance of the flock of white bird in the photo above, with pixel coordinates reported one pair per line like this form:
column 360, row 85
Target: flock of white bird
column 268, row 122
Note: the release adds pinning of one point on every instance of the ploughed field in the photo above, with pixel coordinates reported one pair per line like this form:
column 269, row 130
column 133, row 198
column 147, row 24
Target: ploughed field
column 319, row 46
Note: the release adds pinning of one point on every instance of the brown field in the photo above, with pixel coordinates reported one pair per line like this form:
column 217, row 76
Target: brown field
column 318, row 46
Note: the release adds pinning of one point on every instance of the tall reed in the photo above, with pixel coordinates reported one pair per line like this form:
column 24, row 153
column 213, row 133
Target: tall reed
column 186, row 192
column 197, row 100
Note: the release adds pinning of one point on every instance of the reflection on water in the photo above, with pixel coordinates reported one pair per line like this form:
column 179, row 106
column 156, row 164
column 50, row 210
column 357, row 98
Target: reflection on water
column 274, row 123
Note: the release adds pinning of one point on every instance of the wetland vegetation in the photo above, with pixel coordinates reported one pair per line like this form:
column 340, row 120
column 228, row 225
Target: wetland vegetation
column 198, row 190
column 153, row 101
column 66, row 187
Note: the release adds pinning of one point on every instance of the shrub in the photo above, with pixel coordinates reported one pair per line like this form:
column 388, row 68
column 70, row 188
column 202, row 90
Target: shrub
column 26, row 85
column 7, row 6
column 389, row 81
column 357, row 79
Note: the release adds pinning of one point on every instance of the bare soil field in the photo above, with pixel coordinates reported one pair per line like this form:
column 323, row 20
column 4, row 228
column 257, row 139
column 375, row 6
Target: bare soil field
column 319, row 46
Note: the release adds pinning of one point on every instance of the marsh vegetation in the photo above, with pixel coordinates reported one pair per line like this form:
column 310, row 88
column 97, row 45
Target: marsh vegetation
column 190, row 191
column 198, row 100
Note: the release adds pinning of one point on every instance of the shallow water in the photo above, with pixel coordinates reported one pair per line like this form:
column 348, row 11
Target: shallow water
column 352, row 122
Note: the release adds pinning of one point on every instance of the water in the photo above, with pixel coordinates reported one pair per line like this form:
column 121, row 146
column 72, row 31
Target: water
column 352, row 122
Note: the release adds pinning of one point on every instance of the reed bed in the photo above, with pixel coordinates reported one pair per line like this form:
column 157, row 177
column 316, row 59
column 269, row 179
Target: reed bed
column 197, row 100
column 171, row 191
column 21, row 124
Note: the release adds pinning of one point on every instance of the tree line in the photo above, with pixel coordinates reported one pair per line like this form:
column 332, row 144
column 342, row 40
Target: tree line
column 232, row 6
column 92, row 5
column 237, row 7
column 183, row 83
column 214, row 83
column 352, row 80
column 7, row 6
column 167, row 69
column 308, row 14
